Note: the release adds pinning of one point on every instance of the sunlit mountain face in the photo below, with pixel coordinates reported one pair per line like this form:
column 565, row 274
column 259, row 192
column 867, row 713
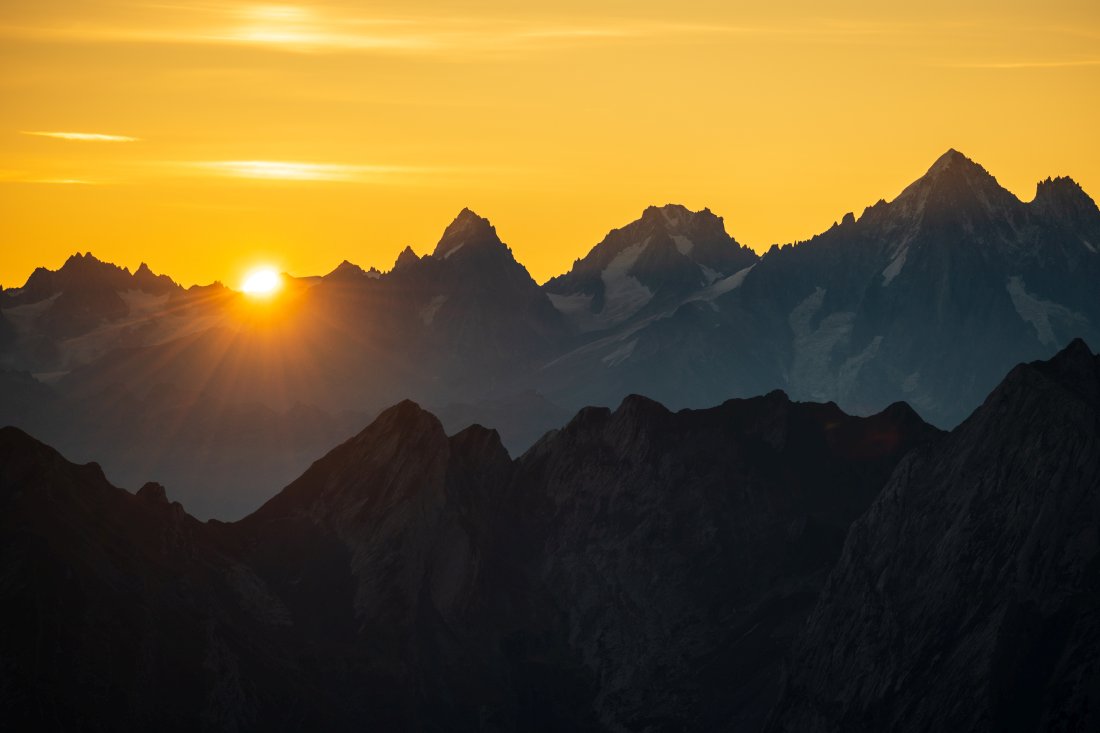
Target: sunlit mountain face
column 600, row 366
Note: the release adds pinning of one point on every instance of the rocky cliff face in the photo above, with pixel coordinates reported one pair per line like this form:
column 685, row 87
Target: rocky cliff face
column 967, row 597
column 930, row 298
column 684, row 548
column 121, row 613
column 646, row 267
column 630, row 571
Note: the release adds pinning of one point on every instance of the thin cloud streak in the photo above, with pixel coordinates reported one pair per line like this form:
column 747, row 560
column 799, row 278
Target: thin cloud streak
column 298, row 171
column 308, row 30
column 64, row 181
column 82, row 136
column 16, row 177
column 1024, row 64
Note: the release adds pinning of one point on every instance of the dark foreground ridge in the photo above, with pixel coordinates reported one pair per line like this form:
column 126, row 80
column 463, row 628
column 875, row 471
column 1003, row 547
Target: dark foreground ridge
column 968, row 597
column 638, row 569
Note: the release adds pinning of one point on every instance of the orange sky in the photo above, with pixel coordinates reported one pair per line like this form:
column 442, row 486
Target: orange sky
column 214, row 136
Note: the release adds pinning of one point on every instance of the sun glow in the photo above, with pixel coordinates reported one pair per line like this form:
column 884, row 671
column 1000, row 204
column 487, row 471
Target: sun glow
column 263, row 282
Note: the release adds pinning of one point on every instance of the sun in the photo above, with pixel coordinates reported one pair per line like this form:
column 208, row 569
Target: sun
column 262, row 282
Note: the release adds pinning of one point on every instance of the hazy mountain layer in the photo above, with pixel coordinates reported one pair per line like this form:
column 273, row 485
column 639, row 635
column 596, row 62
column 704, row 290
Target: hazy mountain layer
column 927, row 299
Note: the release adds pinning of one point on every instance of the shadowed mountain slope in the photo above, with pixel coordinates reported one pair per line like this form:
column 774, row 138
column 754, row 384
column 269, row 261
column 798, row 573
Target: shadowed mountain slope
column 968, row 596
column 637, row 568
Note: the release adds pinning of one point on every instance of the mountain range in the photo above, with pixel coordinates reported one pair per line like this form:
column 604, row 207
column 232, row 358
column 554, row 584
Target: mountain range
column 765, row 564
column 928, row 299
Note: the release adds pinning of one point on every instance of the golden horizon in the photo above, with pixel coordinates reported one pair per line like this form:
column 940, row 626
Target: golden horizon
column 204, row 138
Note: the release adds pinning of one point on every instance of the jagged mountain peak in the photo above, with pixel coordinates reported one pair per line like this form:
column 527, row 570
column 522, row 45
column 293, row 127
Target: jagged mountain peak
column 1075, row 365
column 406, row 258
column 404, row 443
column 468, row 231
column 153, row 492
column 679, row 219
column 405, row 420
column 83, row 275
column 1075, row 350
column 955, row 197
column 87, row 263
column 77, row 258
column 954, row 161
column 145, row 279
column 346, row 269
column 1063, row 198
column 661, row 258
column 636, row 407
column 955, row 178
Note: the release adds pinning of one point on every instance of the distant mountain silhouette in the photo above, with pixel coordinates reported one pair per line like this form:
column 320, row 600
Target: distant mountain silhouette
column 657, row 261
column 84, row 292
column 926, row 299
column 929, row 299
column 636, row 569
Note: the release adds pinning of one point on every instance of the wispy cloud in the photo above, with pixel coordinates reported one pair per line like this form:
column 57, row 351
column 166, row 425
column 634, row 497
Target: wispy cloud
column 1036, row 64
column 298, row 171
column 63, row 181
column 326, row 29
column 25, row 177
column 83, row 136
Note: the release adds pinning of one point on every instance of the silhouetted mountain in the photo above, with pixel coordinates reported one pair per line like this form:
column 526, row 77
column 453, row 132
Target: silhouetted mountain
column 637, row 568
column 478, row 313
column 521, row 418
column 348, row 272
column 121, row 613
column 1062, row 202
column 967, row 598
column 7, row 332
column 684, row 549
column 927, row 299
column 85, row 292
column 648, row 265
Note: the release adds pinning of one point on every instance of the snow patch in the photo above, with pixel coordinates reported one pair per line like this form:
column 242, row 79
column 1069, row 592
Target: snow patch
column 623, row 294
column 725, row 285
column 813, row 347
column 895, row 266
column 427, row 313
column 803, row 313
column 571, row 305
column 683, row 244
column 710, row 275
column 849, row 371
column 671, row 215
column 152, row 320
column 1039, row 312
column 620, row 354
column 454, row 249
